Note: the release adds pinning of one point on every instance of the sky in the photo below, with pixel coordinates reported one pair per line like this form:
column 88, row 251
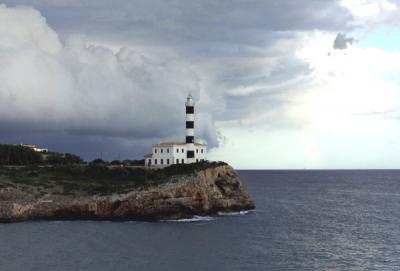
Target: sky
column 310, row 84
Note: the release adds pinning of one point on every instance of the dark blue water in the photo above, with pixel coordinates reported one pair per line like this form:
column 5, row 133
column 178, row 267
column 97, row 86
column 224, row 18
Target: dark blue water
column 305, row 220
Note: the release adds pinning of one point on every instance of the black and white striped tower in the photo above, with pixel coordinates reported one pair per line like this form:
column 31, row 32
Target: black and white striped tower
column 190, row 130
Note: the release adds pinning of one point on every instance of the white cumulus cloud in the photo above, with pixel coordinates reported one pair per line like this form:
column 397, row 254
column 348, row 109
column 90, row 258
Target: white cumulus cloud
column 89, row 90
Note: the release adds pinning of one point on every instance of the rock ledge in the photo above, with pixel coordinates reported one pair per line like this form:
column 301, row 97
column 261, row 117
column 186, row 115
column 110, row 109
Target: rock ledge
column 204, row 192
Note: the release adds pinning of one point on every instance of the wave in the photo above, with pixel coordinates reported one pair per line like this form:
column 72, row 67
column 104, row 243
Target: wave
column 233, row 213
column 191, row 220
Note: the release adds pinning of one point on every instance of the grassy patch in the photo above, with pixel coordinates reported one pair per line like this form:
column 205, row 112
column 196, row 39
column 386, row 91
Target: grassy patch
column 95, row 179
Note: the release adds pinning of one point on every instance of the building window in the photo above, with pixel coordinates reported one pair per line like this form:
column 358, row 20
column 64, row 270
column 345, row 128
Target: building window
column 182, row 151
column 201, row 150
column 183, row 161
column 177, row 161
column 197, row 150
column 168, row 150
column 190, row 154
column 177, row 150
column 162, row 150
column 162, row 161
column 155, row 161
column 167, row 161
column 197, row 160
column 155, row 150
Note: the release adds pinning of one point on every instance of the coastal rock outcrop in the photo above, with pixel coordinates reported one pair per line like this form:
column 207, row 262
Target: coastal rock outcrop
column 203, row 192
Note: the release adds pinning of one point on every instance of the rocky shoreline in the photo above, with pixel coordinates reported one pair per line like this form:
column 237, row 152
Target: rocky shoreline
column 203, row 192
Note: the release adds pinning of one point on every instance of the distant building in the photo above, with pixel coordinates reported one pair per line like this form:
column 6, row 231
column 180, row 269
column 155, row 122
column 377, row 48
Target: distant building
column 35, row 148
column 169, row 153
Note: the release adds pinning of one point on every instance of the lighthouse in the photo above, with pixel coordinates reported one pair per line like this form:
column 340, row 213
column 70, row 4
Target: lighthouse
column 190, row 130
column 179, row 152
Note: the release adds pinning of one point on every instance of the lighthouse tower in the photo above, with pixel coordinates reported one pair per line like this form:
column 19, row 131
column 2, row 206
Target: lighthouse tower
column 190, row 149
column 177, row 152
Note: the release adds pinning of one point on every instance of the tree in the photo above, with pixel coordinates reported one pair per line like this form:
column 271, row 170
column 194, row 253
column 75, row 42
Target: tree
column 98, row 162
column 19, row 155
column 116, row 163
column 63, row 159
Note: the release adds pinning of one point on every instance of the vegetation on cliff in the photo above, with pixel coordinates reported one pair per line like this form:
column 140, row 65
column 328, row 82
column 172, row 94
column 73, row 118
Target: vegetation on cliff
column 19, row 155
column 94, row 178
column 68, row 174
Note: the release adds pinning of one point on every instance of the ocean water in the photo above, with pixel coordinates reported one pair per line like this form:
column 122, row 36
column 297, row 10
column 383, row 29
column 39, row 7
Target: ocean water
column 305, row 220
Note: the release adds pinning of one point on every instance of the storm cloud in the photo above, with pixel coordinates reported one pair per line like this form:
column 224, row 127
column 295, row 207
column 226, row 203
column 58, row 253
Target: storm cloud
column 94, row 75
column 48, row 86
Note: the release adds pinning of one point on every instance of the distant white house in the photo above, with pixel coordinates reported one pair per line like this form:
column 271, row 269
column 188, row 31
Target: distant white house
column 169, row 153
column 35, row 148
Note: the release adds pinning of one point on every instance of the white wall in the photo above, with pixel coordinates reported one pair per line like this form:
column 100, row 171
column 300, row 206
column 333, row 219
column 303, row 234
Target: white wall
column 198, row 155
column 166, row 156
column 175, row 152
column 179, row 155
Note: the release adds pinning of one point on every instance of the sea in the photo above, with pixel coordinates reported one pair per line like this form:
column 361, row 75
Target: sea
column 304, row 220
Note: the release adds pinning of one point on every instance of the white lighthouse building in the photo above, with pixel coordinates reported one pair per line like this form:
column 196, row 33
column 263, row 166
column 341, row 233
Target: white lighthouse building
column 169, row 153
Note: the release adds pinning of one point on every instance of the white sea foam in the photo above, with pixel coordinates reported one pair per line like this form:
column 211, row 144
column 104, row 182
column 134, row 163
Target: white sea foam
column 233, row 213
column 191, row 220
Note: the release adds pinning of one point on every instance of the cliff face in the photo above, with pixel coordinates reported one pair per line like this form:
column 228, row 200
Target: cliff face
column 204, row 192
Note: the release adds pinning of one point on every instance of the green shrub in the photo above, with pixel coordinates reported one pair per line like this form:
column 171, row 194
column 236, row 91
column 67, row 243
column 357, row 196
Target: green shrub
column 98, row 162
column 19, row 155
column 116, row 163
column 97, row 178
column 133, row 162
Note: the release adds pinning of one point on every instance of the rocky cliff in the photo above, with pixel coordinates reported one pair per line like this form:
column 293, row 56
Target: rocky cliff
column 203, row 192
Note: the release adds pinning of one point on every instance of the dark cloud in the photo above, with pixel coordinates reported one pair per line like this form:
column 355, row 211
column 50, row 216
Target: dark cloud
column 178, row 23
column 86, row 91
column 89, row 147
column 342, row 41
column 101, row 96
